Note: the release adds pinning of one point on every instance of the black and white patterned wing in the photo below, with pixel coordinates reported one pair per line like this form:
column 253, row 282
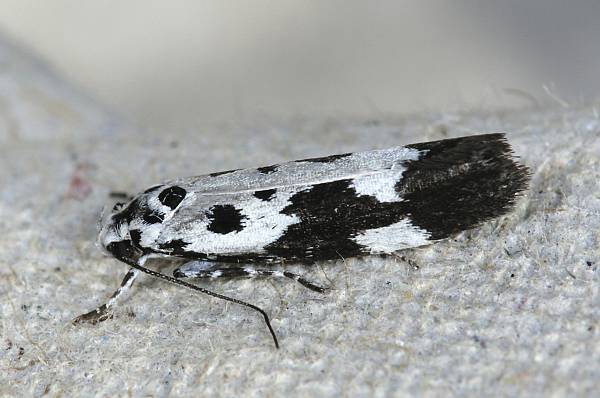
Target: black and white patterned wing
column 338, row 206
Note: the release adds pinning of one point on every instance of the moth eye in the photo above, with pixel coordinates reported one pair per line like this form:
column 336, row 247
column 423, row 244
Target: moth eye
column 118, row 206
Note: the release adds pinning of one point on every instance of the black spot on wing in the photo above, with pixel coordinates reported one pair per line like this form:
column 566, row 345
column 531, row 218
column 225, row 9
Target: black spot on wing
column 325, row 159
column 225, row 219
column 175, row 247
column 460, row 183
column 153, row 217
column 220, row 173
column 267, row 169
column 172, row 196
column 266, row 195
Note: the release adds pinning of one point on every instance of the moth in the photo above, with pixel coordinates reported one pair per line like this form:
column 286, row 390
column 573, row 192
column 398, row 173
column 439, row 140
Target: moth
column 327, row 208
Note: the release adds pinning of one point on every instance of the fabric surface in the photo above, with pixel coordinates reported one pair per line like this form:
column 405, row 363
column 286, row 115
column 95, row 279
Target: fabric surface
column 510, row 308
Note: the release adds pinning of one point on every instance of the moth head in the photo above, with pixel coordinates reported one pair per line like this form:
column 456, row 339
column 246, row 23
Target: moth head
column 114, row 237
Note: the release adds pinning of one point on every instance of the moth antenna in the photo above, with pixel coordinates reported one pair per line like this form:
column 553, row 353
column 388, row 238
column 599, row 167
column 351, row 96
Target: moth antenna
column 208, row 292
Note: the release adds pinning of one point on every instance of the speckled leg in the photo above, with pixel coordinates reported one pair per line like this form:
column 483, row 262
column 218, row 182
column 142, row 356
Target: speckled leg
column 103, row 313
column 204, row 269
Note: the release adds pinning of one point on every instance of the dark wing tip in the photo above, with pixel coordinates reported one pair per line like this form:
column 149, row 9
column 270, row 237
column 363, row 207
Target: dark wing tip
column 460, row 183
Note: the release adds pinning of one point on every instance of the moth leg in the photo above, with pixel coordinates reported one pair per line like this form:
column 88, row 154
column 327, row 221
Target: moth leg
column 205, row 269
column 103, row 313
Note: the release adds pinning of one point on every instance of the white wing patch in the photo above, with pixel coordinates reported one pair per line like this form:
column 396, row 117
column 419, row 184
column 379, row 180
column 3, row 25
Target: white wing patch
column 394, row 237
column 381, row 185
column 263, row 224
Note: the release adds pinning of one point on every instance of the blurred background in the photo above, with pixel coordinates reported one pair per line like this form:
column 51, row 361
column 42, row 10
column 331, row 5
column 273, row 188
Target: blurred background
column 184, row 63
